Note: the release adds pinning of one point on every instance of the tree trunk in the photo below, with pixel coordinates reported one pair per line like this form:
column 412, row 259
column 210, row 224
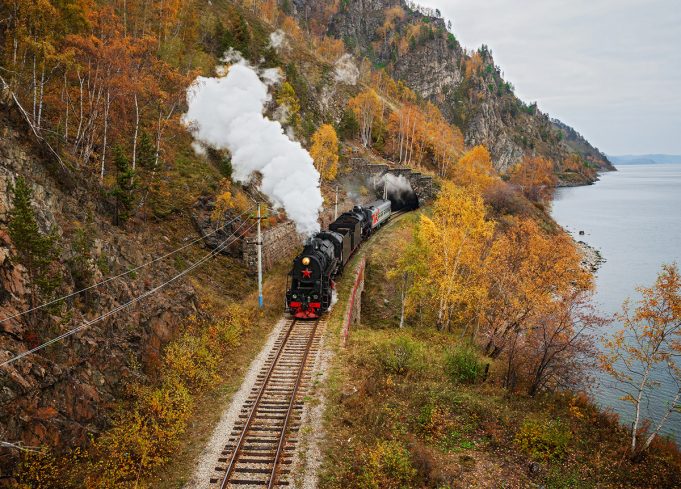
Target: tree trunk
column 134, row 139
column 106, row 127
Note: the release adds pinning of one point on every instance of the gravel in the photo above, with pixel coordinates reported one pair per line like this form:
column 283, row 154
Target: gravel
column 205, row 468
column 308, row 456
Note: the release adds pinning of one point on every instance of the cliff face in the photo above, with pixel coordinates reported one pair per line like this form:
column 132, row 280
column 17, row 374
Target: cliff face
column 62, row 393
column 417, row 48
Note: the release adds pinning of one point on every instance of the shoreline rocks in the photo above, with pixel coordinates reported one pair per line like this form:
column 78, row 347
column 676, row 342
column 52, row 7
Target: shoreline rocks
column 592, row 259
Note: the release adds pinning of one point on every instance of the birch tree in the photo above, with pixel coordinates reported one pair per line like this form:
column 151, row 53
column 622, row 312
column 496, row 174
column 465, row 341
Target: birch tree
column 644, row 354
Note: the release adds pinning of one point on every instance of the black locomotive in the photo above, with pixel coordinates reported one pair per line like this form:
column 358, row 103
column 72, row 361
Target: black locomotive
column 325, row 255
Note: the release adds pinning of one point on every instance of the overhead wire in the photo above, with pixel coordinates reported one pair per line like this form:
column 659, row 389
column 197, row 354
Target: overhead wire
column 120, row 307
column 121, row 275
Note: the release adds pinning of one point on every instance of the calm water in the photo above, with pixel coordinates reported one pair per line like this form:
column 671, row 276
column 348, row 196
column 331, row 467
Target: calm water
column 633, row 217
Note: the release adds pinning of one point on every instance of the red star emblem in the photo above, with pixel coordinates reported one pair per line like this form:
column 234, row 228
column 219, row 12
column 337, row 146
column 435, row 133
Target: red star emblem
column 307, row 273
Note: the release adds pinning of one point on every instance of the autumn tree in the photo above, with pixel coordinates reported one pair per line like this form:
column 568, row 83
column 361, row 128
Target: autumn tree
column 367, row 108
column 535, row 178
column 643, row 355
column 324, row 151
column 526, row 271
column 288, row 100
column 556, row 351
column 405, row 127
column 36, row 250
column 446, row 258
column 475, row 169
column 444, row 140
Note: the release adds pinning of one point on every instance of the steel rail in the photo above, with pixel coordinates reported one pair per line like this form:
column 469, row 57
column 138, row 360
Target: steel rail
column 282, row 437
column 249, row 421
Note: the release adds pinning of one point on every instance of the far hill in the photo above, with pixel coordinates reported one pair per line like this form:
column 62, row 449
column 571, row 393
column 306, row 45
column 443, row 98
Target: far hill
column 644, row 159
column 416, row 46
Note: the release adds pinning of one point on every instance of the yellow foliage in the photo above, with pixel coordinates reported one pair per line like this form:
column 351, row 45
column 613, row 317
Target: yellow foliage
column 368, row 110
column 286, row 97
column 446, row 257
column 324, row 151
column 475, row 169
column 228, row 201
column 148, row 430
column 387, row 466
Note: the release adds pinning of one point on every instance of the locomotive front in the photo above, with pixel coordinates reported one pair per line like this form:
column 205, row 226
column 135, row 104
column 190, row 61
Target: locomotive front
column 309, row 294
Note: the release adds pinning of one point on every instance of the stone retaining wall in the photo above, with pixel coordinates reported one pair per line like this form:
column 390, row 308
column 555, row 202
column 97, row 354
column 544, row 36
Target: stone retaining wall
column 424, row 186
column 278, row 243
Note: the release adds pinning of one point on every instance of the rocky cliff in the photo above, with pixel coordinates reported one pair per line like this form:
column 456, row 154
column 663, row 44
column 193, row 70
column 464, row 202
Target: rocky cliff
column 63, row 393
column 415, row 46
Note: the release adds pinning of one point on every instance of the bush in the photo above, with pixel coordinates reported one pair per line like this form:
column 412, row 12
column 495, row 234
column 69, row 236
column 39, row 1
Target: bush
column 463, row 365
column 401, row 355
column 544, row 439
column 193, row 361
column 387, row 466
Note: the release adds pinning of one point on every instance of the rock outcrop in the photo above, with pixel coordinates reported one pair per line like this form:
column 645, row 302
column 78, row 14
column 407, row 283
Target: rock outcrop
column 480, row 102
column 60, row 395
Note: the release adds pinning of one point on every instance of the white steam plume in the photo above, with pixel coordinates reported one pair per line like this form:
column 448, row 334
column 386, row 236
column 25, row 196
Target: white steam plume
column 227, row 113
column 278, row 39
column 345, row 70
column 396, row 184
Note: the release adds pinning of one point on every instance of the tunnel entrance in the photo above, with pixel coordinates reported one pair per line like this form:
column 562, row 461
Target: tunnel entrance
column 398, row 189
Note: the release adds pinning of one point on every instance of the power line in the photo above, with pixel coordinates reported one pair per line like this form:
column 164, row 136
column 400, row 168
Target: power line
column 144, row 265
column 87, row 324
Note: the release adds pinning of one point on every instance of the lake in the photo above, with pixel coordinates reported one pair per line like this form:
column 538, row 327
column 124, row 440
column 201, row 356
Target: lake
column 633, row 217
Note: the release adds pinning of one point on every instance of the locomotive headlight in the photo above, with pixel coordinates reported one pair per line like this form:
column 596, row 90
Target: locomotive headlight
column 306, row 261
column 294, row 296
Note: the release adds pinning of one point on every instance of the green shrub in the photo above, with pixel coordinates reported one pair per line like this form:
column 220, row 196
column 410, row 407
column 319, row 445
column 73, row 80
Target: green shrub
column 463, row 365
column 387, row 466
column 544, row 439
column 401, row 355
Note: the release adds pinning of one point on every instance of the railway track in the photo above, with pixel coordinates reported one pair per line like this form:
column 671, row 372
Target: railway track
column 260, row 449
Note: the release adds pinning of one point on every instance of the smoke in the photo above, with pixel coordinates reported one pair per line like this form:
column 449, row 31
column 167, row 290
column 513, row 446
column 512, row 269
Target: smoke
column 345, row 70
column 278, row 40
column 396, row 184
column 400, row 192
column 226, row 112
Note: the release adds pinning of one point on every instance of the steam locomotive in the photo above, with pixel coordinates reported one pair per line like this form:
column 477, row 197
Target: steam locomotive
column 325, row 255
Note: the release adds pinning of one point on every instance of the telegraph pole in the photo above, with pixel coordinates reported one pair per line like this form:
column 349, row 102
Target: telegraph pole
column 260, row 299
column 335, row 212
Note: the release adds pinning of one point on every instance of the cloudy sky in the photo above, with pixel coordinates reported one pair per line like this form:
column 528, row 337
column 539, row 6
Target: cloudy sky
column 609, row 68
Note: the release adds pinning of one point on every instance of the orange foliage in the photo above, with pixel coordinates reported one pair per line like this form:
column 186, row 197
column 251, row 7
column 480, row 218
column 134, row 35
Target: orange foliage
column 475, row 169
column 642, row 355
column 331, row 49
column 535, row 178
column 473, row 65
column 291, row 27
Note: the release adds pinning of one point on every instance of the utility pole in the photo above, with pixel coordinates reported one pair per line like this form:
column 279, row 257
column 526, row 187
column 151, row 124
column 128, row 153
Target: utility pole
column 259, row 244
column 335, row 212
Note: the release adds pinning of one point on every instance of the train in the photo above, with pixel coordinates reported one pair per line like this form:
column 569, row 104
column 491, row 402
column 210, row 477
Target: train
column 324, row 257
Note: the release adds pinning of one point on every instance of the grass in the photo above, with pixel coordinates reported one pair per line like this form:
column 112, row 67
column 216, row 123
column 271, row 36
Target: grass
column 411, row 408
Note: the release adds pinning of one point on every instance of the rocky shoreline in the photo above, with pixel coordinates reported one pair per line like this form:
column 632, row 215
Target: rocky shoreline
column 592, row 259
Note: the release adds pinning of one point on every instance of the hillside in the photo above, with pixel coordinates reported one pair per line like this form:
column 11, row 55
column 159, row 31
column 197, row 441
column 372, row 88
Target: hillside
column 644, row 159
column 127, row 226
column 414, row 45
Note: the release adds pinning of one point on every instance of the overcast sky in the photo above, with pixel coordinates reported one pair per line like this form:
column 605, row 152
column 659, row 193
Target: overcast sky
column 609, row 68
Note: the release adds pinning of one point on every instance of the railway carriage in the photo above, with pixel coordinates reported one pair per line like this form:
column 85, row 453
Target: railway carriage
column 311, row 281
